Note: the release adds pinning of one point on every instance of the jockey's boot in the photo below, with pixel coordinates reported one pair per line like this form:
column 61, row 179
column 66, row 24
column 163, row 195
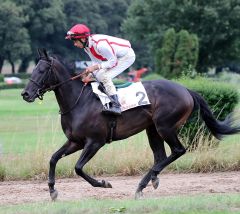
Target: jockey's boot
column 114, row 108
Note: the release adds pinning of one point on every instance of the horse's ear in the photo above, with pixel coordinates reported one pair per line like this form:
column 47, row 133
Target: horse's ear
column 42, row 54
column 45, row 54
column 39, row 53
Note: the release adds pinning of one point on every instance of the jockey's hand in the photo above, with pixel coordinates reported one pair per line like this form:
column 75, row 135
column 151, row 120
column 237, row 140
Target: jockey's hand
column 87, row 78
column 92, row 68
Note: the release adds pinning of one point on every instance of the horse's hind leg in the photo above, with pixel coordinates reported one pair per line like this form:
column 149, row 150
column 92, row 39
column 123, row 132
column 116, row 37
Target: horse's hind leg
column 67, row 149
column 157, row 146
column 177, row 150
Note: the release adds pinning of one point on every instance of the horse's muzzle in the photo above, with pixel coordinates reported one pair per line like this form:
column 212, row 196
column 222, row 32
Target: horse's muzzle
column 26, row 96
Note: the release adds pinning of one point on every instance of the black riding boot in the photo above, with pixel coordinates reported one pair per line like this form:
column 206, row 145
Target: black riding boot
column 114, row 107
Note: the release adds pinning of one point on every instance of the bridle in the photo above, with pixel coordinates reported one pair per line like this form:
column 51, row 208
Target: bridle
column 41, row 91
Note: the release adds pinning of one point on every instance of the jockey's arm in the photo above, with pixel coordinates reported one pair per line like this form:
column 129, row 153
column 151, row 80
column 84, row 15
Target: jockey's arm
column 107, row 52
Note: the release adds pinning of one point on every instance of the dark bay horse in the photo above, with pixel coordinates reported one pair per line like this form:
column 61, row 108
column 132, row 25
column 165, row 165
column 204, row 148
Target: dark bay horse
column 87, row 129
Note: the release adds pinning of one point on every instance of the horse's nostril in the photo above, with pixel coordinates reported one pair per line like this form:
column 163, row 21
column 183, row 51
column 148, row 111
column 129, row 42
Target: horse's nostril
column 25, row 94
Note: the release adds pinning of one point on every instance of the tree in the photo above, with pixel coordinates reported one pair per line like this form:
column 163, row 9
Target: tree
column 113, row 13
column 179, row 53
column 186, row 55
column 14, row 37
column 45, row 23
column 215, row 22
column 165, row 55
column 46, row 26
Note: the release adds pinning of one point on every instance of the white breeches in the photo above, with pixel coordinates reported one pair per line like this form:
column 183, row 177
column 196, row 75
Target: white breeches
column 106, row 75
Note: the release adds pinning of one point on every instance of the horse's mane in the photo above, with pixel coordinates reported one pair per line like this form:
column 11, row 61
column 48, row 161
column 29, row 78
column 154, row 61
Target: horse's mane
column 67, row 64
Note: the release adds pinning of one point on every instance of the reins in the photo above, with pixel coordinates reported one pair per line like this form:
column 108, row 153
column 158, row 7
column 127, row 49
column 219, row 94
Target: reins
column 63, row 82
column 73, row 106
column 53, row 87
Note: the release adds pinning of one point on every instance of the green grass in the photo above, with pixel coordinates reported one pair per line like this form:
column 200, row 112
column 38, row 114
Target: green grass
column 25, row 126
column 201, row 204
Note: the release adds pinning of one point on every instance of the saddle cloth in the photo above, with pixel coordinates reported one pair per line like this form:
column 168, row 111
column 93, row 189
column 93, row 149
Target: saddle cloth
column 130, row 97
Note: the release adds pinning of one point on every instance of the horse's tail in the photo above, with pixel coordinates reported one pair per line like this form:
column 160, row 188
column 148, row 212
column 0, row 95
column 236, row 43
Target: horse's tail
column 217, row 128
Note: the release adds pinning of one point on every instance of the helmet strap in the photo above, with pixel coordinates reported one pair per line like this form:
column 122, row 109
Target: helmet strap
column 84, row 43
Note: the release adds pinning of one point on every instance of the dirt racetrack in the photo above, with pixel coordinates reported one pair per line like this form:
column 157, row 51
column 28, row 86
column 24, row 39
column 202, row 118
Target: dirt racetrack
column 16, row 192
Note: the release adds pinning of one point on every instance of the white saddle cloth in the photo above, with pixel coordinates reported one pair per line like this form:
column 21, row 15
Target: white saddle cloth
column 130, row 97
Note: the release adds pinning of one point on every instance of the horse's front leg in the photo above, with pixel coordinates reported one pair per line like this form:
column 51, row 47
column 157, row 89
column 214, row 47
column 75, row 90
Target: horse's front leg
column 68, row 148
column 90, row 149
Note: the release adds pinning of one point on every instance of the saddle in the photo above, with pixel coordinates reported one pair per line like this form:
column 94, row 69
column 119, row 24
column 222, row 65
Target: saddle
column 130, row 95
column 117, row 86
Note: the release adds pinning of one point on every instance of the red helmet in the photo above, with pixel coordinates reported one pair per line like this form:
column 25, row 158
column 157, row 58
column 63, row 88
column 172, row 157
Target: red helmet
column 78, row 31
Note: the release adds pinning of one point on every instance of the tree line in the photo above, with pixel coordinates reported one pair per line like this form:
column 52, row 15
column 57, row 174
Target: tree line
column 214, row 26
column 26, row 25
column 216, row 23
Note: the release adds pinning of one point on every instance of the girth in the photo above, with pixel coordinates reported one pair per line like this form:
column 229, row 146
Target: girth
column 112, row 124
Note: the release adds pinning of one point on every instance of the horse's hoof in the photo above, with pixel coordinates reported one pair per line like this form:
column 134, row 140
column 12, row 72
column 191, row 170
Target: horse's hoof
column 106, row 184
column 138, row 195
column 54, row 195
column 155, row 182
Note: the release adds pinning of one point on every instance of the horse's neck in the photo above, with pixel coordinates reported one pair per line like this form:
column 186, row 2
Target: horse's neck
column 68, row 93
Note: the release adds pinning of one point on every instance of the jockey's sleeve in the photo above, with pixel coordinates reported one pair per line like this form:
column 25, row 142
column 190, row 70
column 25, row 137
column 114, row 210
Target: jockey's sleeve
column 106, row 50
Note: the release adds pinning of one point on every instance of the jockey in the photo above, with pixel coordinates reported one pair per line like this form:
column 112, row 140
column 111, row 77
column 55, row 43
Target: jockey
column 110, row 57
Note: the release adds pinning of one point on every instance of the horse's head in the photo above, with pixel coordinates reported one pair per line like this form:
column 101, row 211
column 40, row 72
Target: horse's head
column 41, row 78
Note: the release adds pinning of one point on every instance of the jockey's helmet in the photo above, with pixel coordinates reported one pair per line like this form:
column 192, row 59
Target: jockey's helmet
column 78, row 31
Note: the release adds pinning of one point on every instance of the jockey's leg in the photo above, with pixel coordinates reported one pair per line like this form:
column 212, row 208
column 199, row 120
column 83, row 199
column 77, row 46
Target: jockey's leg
column 105, row 76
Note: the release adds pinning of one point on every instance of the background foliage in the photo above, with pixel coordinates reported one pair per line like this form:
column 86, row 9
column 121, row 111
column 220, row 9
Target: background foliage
column 222, row 99
column 216, row 23
column 27, row 25
column 178, row 53
column 31, row 24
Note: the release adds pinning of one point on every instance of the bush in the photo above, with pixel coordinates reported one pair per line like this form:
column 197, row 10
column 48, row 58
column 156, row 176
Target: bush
column 153, row 76
column 221, row 97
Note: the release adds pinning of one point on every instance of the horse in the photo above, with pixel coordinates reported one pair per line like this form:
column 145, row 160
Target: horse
column 87, row 129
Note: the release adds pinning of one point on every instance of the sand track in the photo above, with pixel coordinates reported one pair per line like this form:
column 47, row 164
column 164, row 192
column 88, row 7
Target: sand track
column 17, row 192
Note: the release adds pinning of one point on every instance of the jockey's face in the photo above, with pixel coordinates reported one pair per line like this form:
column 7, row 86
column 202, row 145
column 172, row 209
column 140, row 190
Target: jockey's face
column 79, row 42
